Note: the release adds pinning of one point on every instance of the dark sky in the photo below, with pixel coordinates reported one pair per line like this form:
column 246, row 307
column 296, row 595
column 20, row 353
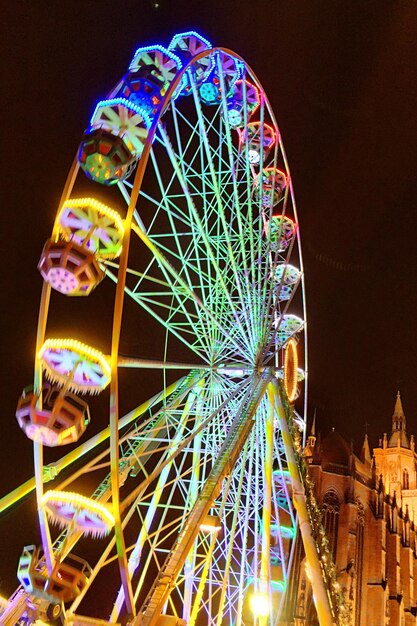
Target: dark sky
column 341, row 77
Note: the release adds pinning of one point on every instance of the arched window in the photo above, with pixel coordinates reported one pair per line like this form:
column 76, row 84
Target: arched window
column 406, row 481
column 331, row 507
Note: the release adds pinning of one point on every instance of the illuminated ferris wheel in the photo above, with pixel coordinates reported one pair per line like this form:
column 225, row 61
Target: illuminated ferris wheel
column 180, row 511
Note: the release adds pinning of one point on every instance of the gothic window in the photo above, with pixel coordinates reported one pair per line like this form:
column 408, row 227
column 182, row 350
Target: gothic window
column 331, row 507
column 406, row 482
column 393, row 472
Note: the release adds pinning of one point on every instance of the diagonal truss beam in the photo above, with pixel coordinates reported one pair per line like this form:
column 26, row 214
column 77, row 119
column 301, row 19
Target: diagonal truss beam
column 228, row 455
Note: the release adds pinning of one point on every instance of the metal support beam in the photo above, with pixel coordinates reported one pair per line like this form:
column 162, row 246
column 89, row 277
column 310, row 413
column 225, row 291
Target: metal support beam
column 321, row 598
column 228, row 455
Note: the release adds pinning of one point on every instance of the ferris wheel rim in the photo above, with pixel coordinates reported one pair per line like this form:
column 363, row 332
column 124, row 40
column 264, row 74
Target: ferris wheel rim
column 123, row 265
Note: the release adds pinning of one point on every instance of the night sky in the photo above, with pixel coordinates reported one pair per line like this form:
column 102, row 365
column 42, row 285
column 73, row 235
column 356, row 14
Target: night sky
column 341, row 78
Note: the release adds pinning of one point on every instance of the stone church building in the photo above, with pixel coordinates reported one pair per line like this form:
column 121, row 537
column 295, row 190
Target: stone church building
column 369, row 508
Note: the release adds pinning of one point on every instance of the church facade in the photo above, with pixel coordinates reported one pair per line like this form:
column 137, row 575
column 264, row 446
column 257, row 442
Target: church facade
column 369, row 508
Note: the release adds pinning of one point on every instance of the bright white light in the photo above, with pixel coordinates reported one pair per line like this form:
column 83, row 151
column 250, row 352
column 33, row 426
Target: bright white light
column 231, row 370
column 299, row 421
column 211, row 524
column 260, row 604
column 253, row 156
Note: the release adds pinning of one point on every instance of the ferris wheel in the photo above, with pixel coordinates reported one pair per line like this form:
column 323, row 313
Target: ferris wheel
column 180, row 511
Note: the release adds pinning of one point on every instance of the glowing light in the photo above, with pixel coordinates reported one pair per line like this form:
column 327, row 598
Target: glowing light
column 240, row 67
column 283, row 473
column 287, row 532
column 157, row 48
column 253, row 156
column 68, row 508
column 255, row 130
column 189, row 33
column 291, row 324
column 211, row 524
column 300, row 376
column 162, row 65
column 230, row 370
column 287, row 277
column 62, row 419
column 290, row 370
column 68, row 361
column 260, row 604
column 3, row 602
column 279, row 585
column 210, row 91
column 232, row 69
column 188, row 45
column 123, row 120
column 93, row 224
column 287, row 325
column 121, row 102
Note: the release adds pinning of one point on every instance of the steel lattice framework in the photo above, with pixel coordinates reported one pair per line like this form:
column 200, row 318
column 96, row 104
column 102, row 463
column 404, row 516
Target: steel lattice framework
column 202, row 479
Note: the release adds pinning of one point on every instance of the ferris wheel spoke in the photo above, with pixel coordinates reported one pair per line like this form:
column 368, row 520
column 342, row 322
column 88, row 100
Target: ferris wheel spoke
column 183, row 256
column 268, row 300
column 140, row 275
column 225, row 586
column 255, row 249
column 218, row 272
column 164, row 267
column 233, row 166
column 181, row 288
column 183, row 285
column 67, row 541
column 242, row 388
column 220, row 207
column 160, row 592
column 260, row 264
column 217, row 581
column 144, row 535
column 185, row 289
column 178, row 473
column 170, row 327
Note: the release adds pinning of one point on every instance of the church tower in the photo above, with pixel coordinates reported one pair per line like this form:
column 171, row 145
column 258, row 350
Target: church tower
column 369, row 512
column 396, row 462
column 311, row 442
